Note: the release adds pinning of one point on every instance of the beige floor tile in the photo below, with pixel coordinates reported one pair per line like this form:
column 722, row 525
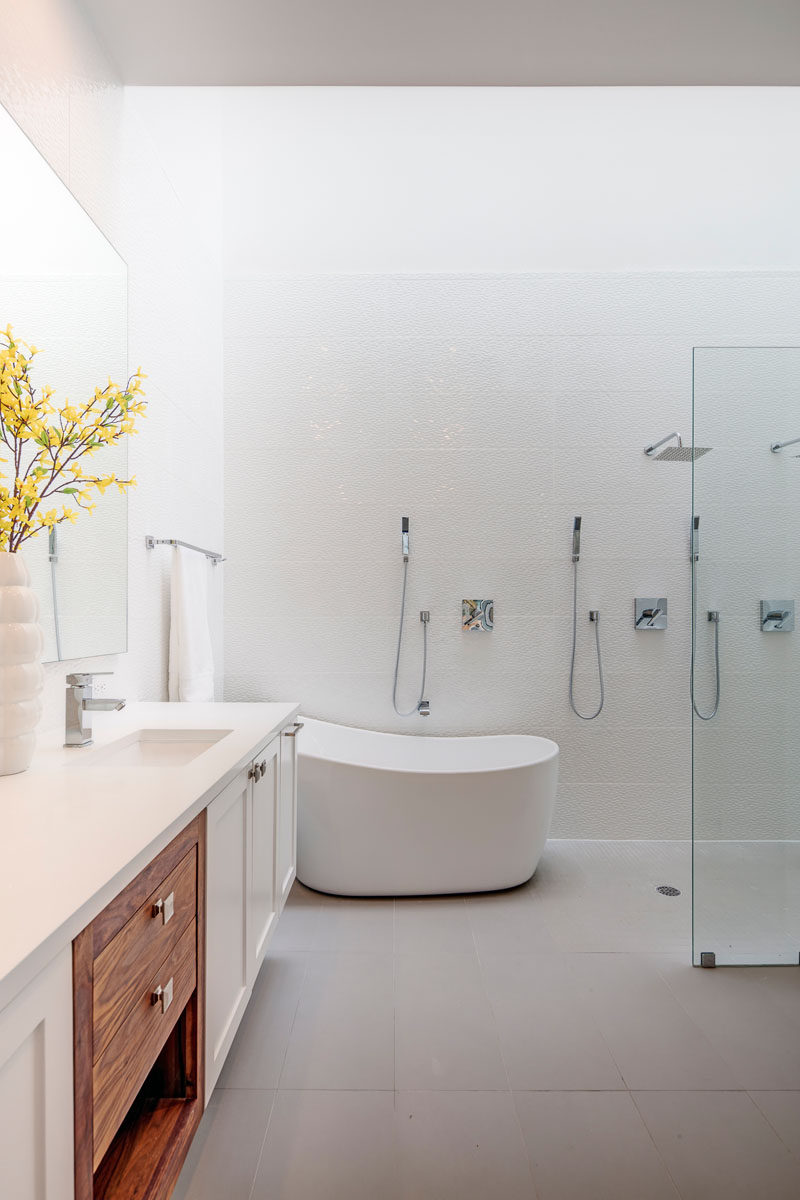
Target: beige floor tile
column 256, row 1056
column 739, row 1017
column 445, row 1033
column 782, row 1110
column 224, row 1156
column 719, row 1146
column 329, row 1146
column 654, row 1042
column 437, row 924
column 353, row 926
column 297, row 925
column 460, row 1146
column 343, row 1031
column 783, row 987
column 593, row 1145
column 509, row 923
column 546, row 1026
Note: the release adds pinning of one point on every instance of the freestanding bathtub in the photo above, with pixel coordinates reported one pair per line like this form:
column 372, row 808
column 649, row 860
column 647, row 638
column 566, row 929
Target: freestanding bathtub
column 384, row 814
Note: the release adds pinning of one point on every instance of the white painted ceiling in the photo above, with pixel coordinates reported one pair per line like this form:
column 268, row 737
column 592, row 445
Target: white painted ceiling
column 452, row 42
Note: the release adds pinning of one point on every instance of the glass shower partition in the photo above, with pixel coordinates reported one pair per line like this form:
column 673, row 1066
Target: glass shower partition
column 746, row 758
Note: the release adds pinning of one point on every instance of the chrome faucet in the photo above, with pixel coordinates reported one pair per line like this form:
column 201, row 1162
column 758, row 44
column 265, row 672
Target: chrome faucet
column 80, row 702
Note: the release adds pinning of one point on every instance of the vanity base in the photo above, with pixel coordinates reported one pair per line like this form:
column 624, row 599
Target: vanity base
column 139, row 1061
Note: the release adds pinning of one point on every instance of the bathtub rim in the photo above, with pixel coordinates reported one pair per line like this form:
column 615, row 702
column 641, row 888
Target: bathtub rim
column 553, row 751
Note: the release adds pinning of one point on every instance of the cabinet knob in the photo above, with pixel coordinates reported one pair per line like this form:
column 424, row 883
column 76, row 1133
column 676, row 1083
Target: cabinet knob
column 165, row 908
column 163, row 995
column 254, row 773
column 298, row 725
column 263, row 766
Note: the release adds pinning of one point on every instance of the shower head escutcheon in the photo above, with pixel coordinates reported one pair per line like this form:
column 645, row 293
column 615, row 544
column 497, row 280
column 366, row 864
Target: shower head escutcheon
column 405, row 539
column 677, row 453
column 576, row 539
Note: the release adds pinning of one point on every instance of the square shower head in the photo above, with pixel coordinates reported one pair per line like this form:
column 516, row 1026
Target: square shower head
column 681, row 453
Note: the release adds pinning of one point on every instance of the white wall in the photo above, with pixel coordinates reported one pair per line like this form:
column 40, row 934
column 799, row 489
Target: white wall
column 463, row 353
column 57, row 84
column 510, row 179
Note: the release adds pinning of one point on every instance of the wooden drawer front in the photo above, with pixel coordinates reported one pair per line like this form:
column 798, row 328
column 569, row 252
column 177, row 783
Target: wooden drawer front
column 126, row 964
column 126, row 1063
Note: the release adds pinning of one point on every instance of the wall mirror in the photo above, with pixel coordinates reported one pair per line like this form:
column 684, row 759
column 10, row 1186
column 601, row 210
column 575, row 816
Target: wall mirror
column 63, row 288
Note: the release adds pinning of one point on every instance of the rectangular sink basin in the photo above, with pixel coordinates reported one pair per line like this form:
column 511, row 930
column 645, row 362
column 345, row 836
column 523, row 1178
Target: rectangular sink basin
column 156, row 748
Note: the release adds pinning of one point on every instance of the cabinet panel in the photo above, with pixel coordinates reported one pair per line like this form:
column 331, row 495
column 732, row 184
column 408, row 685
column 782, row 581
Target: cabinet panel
column 227, row 881
column 36, row 1122
column 262, row 910
column 286, row 856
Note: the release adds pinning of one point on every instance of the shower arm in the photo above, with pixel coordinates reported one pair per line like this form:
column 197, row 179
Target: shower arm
column 652, row 449
column 776, row 446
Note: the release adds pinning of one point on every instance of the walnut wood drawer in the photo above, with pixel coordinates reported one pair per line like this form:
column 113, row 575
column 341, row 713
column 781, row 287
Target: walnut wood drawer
column 122, row 1069
column 125, row 965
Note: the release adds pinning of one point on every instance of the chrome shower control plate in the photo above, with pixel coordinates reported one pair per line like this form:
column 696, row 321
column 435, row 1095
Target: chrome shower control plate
column 650, row 612
column 777, row 616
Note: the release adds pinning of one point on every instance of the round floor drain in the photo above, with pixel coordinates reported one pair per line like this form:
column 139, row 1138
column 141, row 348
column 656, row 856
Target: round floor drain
column 666, row 890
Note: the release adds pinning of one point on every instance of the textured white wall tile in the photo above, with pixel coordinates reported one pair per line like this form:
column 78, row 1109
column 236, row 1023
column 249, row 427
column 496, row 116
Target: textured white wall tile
column 620, row 811
column 509, row 405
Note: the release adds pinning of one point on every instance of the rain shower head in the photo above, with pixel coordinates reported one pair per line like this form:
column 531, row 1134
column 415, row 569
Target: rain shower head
column 678, row 453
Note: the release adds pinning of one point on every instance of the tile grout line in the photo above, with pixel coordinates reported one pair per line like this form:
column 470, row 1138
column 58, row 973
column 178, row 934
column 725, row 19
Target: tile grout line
column 771, row 1124
column 661, row 1158
column 735, row 1073
column 394, row 1004
column 300, row 990
column 517, row 1120
column 276, row 1091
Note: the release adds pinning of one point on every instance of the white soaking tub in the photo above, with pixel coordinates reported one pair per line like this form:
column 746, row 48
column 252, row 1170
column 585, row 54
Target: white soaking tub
column 384, row 814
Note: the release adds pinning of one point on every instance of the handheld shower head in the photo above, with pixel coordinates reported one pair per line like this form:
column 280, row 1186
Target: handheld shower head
column 404, row 535
column 694, row 540
column 576, row 539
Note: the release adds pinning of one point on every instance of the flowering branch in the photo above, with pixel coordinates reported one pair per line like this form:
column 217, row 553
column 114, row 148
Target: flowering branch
column 46, row 441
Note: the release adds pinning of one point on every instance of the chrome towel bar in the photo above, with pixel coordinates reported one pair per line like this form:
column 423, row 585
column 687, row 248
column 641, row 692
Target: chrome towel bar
column 214, row 557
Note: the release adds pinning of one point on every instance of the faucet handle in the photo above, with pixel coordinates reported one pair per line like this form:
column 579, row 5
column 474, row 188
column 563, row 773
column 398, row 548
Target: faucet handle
column 84, row 678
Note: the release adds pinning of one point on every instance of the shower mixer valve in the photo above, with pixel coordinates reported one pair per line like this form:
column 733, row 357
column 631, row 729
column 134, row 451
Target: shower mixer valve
column 777, row 616
column 650, row 612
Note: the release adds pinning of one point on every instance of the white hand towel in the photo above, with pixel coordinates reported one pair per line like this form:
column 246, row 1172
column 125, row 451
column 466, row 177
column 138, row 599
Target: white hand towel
column 191, row 662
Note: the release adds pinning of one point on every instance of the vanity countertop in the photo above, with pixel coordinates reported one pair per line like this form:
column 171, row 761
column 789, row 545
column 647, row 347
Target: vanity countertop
column 74, row 834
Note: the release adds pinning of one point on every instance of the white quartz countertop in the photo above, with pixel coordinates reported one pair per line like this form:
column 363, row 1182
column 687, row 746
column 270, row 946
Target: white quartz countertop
column 74, row 835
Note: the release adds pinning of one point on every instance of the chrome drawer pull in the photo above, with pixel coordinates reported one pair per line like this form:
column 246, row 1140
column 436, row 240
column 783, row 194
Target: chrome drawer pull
column 163, row 995
column 298, row 725
column 165, row 908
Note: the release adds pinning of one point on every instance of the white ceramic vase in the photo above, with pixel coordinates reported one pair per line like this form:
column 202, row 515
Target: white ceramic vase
column 21, row 671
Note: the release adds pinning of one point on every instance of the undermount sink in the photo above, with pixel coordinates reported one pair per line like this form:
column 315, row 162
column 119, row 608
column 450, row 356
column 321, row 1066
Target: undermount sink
column 156, row 748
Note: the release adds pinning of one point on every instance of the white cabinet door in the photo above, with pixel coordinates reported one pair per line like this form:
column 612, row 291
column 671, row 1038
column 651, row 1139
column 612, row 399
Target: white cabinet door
column 286, row 854
column 262, row 908
column 227, row 884
column 36, row 1123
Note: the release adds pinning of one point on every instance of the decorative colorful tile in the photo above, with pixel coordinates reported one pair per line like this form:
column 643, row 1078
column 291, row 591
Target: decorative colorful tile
column 477, row 615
